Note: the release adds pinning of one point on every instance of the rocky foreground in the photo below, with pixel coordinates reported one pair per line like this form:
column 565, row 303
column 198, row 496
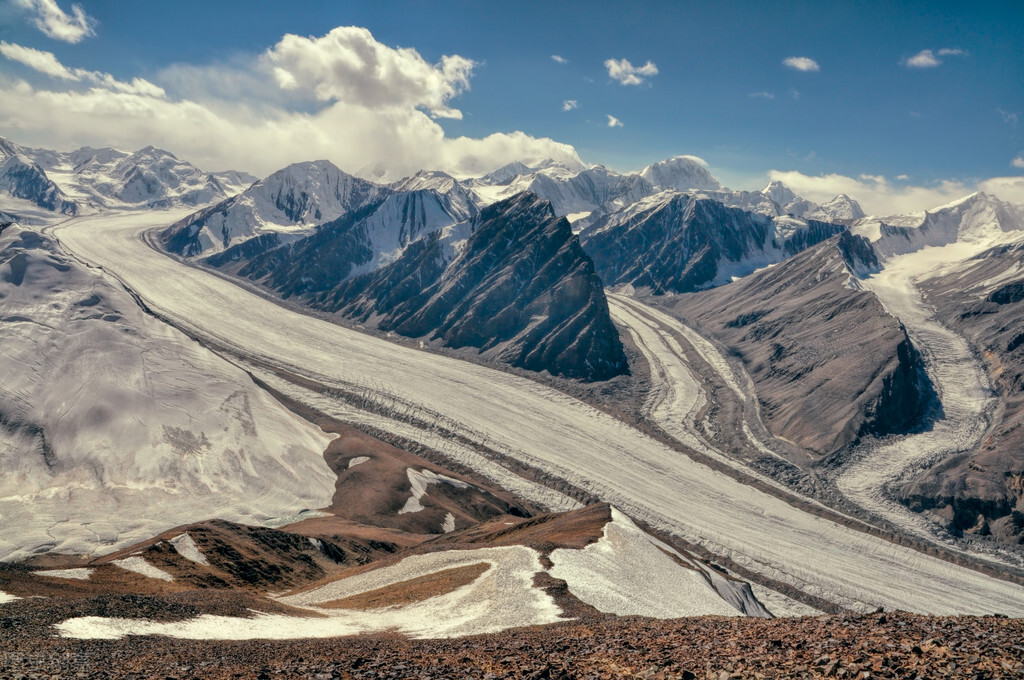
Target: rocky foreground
column 890, row 645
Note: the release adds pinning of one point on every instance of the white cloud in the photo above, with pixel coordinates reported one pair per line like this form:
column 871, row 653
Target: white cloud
column 383, row 121
column 902, row 178
column 613, row 121
column 349, row 65
column 762, row 95
column 627, row 74
column 48, row 64
column 55, row 23
column 801, row 63
column 874, row 192
column 1018, row 162
column 559, row 59
column 1007, row 188
column 569, row 104
column 928, row 58
column 44, row 62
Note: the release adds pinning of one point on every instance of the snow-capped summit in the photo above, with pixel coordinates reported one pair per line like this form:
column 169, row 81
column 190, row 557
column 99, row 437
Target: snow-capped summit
column 681, row 173
column 506, row 173
column 294, row 199
column 842, row 207
column 157, row 178
column 779, row 192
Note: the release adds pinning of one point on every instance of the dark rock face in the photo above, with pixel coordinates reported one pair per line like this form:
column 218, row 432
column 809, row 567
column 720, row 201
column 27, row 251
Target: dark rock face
column 983, row 492
column 520, row 290
column 820, row 385
column 681, row 245
column 24, row 179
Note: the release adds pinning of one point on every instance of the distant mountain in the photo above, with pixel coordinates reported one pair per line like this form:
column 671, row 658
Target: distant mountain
column 681, row 173
column 291, row 201
column 819, row 385
column 111, row 179
column 671, row 242
column 511, row 283
column 974, row 217
column 22, row 178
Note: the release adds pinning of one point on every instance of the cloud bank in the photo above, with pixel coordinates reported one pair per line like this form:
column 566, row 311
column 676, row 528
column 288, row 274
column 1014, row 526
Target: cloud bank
column 368, row 107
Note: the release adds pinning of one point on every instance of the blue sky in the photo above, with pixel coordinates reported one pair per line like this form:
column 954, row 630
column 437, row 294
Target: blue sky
column 904, row 102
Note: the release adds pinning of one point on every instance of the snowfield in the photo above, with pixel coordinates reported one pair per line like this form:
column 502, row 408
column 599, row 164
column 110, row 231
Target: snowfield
column 118, row 427
column 552, row 431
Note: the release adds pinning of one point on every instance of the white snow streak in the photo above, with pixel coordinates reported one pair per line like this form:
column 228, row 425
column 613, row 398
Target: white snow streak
column 7, row 597
column 78, row 574
column 139, row 565
column 419, row 479
column 358, row 460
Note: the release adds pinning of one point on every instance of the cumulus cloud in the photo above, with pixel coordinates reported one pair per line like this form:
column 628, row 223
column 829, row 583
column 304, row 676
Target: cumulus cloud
column 364, row 116
column 930, row 58
column 559, row 59
column 1007, row 188
column 49, row 18
column 614, row 122
column 801, row 63
column 627, row 74
column 569, row 104
column 349, row 65
column 1018, row 162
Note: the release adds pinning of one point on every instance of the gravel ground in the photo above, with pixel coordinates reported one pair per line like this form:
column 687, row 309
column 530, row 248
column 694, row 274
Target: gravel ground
column 890, row 645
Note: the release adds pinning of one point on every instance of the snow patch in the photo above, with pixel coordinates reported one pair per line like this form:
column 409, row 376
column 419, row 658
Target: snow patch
column 78, row 574
column 7, row 597
column 448, row 525
column 625, row 573
column 187, row 548
column 502, row 597
column 419, row 479
column 140, row 566
column 358, row 460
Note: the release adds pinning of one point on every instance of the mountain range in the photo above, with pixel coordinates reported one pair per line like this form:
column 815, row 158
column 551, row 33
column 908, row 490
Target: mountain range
column 698, row 388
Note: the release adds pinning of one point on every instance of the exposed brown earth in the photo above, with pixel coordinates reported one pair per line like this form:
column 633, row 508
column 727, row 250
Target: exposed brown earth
column 892, row 645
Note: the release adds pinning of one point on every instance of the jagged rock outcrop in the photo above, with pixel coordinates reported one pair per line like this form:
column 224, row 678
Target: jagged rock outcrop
column 676, row 243
column 820, row 385
column 511, row 283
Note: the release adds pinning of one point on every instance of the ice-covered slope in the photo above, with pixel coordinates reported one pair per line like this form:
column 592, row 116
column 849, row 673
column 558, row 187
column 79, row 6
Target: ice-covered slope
column 671, row 242
column 114, row 427
column 569, row 192
column 293, row 200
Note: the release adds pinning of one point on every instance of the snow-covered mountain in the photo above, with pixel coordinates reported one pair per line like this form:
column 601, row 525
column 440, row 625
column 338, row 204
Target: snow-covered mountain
column 22, row 178
column 681, row 173
column 973, row 218
column 671, row 242
column 114, row 426
column 289, row 202
column 111, row 179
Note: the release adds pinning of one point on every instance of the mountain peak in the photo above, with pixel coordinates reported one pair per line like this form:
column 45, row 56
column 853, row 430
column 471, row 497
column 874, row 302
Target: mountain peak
column 681, row 173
